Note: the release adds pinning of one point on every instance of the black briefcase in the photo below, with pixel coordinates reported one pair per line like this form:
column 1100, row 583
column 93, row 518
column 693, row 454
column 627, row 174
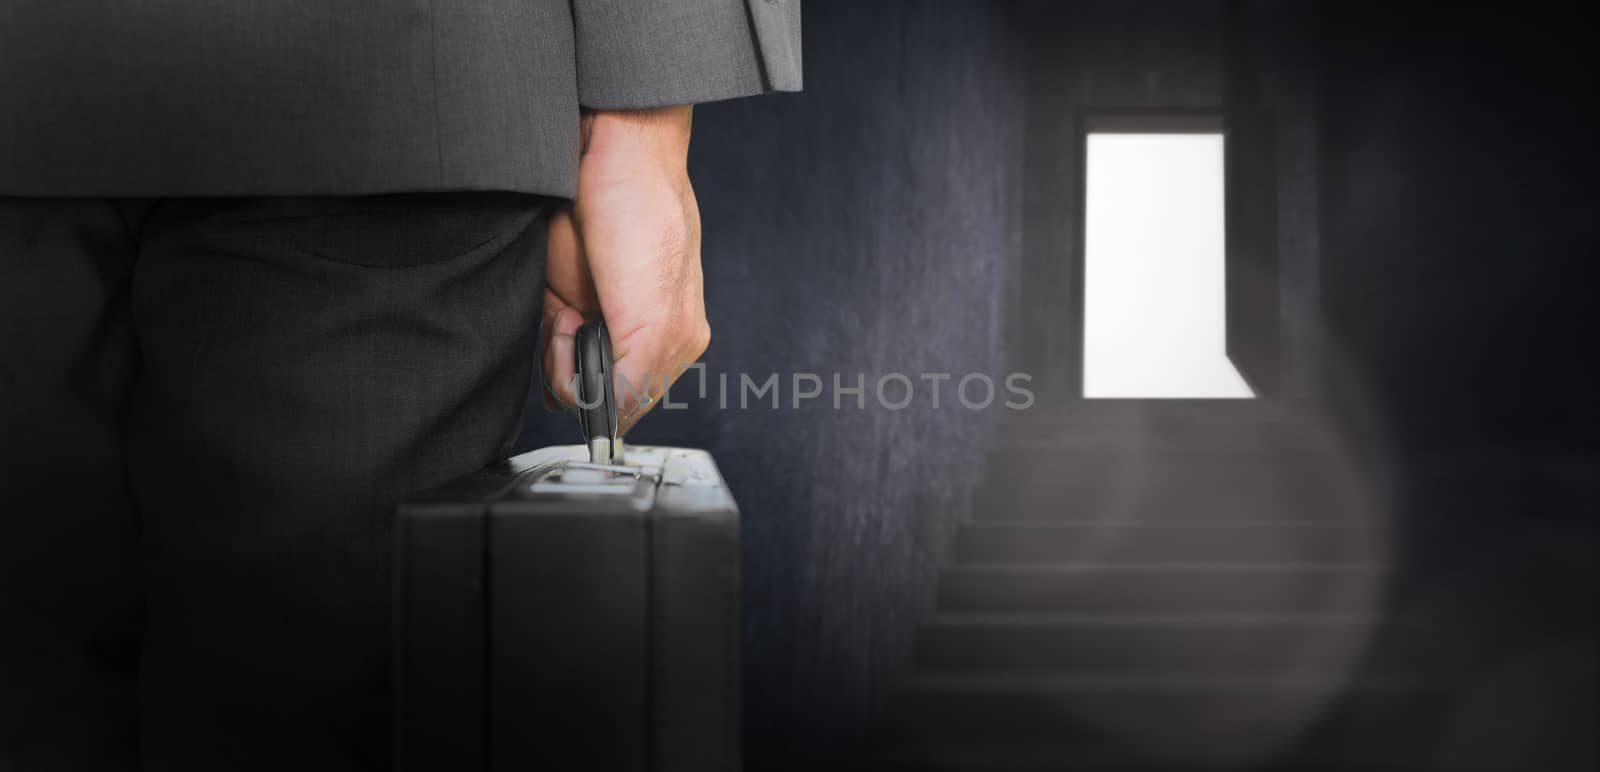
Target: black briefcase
column 552, row 613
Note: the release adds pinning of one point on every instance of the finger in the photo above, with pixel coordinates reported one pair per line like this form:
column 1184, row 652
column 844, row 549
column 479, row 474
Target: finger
column 637, row 378
column 561, row 237
column 566, row 270
column 547, row 329
column 558, row 364
column 638, row 390
column 561, row 250
column 646, row 368
column 569, row 297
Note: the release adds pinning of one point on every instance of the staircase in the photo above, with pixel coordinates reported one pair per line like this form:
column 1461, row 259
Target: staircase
column 1163, row 586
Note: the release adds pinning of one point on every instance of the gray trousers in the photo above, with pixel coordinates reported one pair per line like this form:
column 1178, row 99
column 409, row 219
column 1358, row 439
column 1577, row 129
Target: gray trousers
column 208, row 411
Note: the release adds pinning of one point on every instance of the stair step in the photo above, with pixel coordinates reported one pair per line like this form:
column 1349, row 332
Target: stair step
column 1122, row 441
column 1156, row 723
column 1329, row 588
column 1009, row 461
column 1131, row 441
column 1045, row 756
column 1161, row 500
column 1214, row 716
column 1023, row 481
column 1158, row 644
column 1166, row 412
column 1044, row 541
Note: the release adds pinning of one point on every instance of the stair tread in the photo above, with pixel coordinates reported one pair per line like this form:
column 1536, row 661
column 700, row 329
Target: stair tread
column 1105, row 587
column 1070, row 620
column 1152, row 683
column 969, row 755
column 1143, row 523
column 1165, row 567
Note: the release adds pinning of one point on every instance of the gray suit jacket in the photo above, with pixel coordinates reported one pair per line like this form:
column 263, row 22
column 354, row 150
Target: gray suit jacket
column 347, row 97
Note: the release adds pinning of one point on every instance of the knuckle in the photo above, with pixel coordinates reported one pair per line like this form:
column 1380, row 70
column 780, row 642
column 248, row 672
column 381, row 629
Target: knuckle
column 700, row 337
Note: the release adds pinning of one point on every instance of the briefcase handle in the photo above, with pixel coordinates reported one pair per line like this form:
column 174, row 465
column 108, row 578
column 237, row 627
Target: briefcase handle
column 597, row 404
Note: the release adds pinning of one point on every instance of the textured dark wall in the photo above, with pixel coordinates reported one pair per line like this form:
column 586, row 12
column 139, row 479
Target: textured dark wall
column 863, row 226
column 1458, row 245
column 1460, row 219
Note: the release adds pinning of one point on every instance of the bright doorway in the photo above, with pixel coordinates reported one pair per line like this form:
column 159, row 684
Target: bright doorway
column 1154, row 251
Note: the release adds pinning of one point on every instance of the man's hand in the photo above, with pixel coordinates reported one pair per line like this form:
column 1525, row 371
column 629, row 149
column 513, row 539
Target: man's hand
column 629, row 249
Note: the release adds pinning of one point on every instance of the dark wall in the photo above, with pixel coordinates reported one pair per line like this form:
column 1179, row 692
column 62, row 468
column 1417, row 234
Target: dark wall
column 1460, row 220
column 1458, row 243
column 1458, row 230
column 864, row 226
